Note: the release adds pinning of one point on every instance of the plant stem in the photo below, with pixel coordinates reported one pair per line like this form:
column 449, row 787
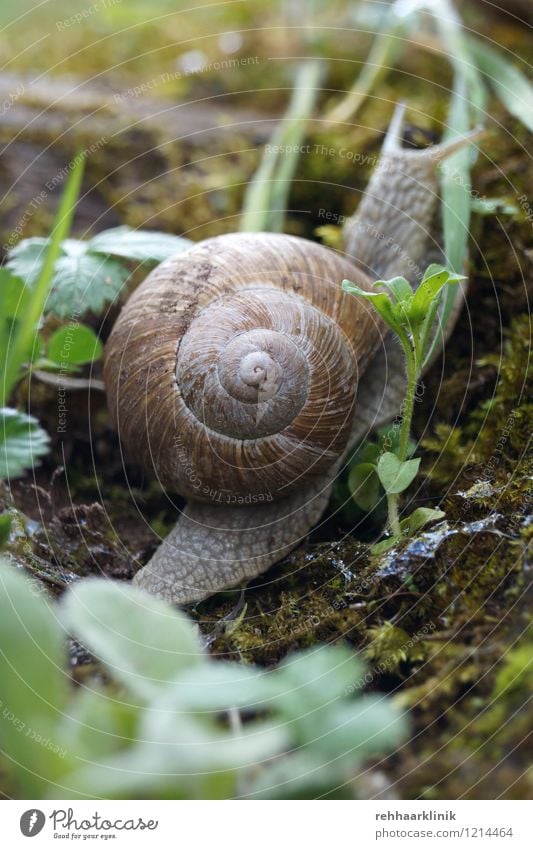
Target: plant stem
column 412, row 380
column 394, row 517
column 413, row 371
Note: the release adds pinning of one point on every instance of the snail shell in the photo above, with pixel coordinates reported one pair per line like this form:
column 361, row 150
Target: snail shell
column 233, row 369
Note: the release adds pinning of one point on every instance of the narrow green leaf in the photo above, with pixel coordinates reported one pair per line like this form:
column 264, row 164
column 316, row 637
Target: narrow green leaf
column 422, row 516
column 510, row 85
column 27, row 329
column 144, row 641
column 396, row 475
column 364, row 486
column 493, row 206
column 456, row 188
column 384, row 51
column 74, row 345
column 22, row 442
column 140, row 245
column 265, row 200
column 466, row 73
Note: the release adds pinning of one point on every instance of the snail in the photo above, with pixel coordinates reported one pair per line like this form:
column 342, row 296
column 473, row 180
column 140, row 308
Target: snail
column 241, row 375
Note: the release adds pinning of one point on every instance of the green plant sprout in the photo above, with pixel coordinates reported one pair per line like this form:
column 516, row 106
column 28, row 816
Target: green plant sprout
column 410, row 314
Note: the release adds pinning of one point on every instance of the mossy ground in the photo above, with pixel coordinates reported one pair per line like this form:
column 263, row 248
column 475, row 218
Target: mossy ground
column 444, row 623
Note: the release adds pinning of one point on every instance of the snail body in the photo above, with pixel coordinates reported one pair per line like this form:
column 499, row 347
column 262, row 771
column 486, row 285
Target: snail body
column 242, row 375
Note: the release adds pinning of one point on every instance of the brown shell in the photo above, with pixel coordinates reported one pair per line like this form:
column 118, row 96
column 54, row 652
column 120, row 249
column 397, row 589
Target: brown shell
column 232, row 370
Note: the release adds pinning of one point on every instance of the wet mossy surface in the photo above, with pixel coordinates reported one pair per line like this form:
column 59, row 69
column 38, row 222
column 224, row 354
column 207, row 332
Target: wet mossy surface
column 442, row 622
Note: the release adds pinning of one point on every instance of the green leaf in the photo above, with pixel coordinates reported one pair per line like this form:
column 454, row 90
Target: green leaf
column 384, row 545
column 34, row 683
column 179, row 757
column 422, row 516
column 143, row 640
column 428, row 291
column 85, row 283
column 315, row 678
column 97, row 723
column 74, row 345
column 395, row 475
column 265, row 201
column 14, row 294
column 510, row 85
column 301, row 774
column 389, row 440
column 223, row 685
column 432, row 269
column 399, row 287
column 27, row 258
column 381, row 58
column 5, row 528
column 456, row 196
column 364, row 486
column 141, row 245
column 26, row 329
column 368, row 452
column 81, row 282
column 14, row 297
column 356, row 730
column 493, row 206
column 381, row 303
column 22, row 442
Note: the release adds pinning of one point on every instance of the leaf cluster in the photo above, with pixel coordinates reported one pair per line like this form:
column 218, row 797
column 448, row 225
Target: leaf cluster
column 90, row 274
column 173, row 723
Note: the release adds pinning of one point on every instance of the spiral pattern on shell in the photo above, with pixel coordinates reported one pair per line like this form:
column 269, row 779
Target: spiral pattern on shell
column 232, row 370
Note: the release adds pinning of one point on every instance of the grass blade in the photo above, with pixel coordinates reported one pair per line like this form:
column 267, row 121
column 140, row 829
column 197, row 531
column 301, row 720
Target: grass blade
column 265, row 201
column 26, row 331
column 456, row 203
column 384, row 46
column 453, row 37
column 509, row 84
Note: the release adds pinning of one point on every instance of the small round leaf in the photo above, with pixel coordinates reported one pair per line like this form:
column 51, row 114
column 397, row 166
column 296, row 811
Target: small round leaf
column 74, row 345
